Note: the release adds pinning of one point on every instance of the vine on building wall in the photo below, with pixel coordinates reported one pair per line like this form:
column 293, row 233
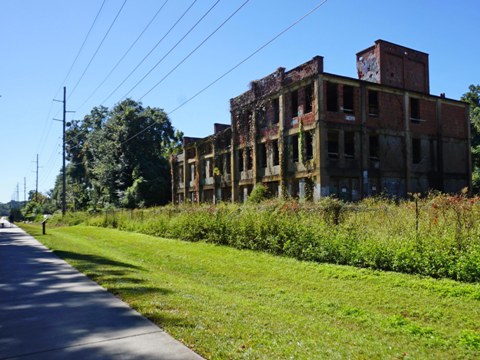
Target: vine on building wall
column 308, row 163
column 197, row 175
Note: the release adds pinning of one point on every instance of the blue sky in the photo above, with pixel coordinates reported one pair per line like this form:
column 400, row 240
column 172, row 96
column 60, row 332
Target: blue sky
column 40, row 39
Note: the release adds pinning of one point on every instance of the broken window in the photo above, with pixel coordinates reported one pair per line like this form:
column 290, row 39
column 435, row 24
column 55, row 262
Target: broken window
column 227, row 163
column 248, row 153
column 240, row 160
column 415, row 110
column 294, row 140
column 416, row 151
column 192, row 172
column 374, row 147
column 332, row 97
column 349, row 144
column 180, row 173
column 294, row 103
column 261, row 118
column 275, row 155
column 347, row 99
column 372, row 103
column 332, row 144
column 263, row 155
column 308, row 98
column 276, row 111
column 308, row 145
column 209, row 168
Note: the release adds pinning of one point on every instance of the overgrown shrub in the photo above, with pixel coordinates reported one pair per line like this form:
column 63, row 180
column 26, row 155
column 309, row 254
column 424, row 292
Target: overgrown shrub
column 437, row 236
column 259, row 193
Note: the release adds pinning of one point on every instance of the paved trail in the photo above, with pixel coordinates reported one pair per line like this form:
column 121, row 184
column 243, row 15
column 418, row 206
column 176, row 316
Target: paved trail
column 48, row 310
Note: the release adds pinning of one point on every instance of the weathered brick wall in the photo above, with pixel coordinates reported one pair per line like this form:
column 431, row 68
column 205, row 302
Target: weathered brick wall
column 454, row 122
column 391, row 114
column 428, row 123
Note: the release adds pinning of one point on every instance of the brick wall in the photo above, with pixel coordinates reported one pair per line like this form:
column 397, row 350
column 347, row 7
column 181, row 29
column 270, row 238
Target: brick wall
column 428, row 123
column 454, row 123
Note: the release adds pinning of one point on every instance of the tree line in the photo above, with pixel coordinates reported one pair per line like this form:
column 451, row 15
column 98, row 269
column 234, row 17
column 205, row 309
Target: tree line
column 116, row 158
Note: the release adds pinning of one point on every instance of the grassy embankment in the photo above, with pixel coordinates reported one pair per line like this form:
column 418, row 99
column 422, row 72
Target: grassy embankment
column 438, row 236
column 231, row 304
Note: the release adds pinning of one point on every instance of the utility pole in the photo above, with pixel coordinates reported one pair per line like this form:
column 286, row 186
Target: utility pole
column 64, row 174
column 64, row 191
column 36, row 183
column 17, row 195
column 24, row 190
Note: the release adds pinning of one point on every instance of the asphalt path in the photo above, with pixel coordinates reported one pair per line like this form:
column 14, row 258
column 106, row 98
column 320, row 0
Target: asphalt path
column 48, row 310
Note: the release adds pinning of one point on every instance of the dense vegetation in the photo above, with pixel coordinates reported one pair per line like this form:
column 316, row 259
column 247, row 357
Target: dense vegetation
column 472, row 97
column 118, row 158
column 6, row 209
column 438, row 236
column 231, row 304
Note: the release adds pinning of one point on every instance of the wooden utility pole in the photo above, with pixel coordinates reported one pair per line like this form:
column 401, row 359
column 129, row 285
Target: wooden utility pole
column 64, row 174
column 36, row 183
column 63, row 153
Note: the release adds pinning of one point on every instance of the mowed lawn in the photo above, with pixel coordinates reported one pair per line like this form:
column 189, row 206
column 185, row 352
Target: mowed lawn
column 230, row 304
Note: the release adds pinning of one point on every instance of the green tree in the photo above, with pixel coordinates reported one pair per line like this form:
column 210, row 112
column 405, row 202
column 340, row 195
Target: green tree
column 119, row 157
column 472, row 97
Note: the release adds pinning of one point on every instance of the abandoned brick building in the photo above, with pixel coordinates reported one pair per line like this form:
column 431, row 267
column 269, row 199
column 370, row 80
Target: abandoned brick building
column 308, row 133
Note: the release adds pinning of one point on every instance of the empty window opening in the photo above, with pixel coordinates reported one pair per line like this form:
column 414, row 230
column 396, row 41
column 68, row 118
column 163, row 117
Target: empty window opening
column 349, row 144
column 308, row 145
column 263, row 155
column 219, row 166
column 347, row 99
column 209, row 168
column 332, row 97
column 294, row 139
column 416, row 151
column 294, row 103
column 180, row 173
column 228, row 164
column 276, row 111
column 261, row 118
column 332, row 144
column 240, row 160
column 275, row 155
column 372, row 103
column 249, row 153
column 308, row 98
column 192, row 172
column 374, row 147
column 414, row 110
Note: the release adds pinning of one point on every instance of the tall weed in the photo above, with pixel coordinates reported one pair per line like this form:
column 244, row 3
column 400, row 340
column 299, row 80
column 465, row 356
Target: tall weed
column 438, row 236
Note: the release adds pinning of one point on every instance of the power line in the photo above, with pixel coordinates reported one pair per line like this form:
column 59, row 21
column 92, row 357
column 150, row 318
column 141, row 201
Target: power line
column 68, row 73
column 51, row 162
column 98, row 48
column 150, row 52
column 125, row 54
column 194, row 50
column 234, row 67
column 173, row 47
column 250, row 56
column 81, row 47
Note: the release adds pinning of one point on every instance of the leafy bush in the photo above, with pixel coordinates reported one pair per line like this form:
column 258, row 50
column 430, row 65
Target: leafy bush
column 259, row 193
column 436, row 236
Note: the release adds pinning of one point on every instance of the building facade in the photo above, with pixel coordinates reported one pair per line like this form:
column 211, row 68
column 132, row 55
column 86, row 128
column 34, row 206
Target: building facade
column 306, row 133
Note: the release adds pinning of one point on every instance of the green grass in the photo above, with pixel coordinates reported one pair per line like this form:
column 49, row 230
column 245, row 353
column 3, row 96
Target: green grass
column 231, row 304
